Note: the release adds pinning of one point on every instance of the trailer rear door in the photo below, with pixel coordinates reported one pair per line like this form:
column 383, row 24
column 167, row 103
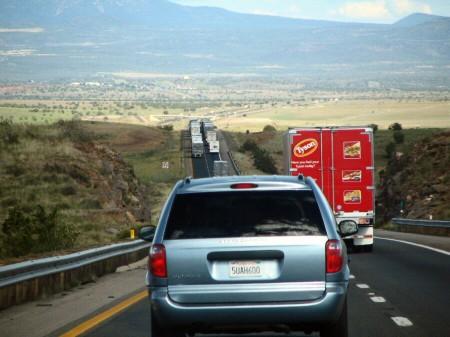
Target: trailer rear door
column 353, row 170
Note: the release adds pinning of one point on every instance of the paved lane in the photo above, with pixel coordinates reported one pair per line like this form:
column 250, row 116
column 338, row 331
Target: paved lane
column 414, row 281
column 396, row 281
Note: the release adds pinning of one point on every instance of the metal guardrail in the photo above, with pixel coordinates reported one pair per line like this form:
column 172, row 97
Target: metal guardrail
column 19, row 272
column 233, row 162
column 423, row 223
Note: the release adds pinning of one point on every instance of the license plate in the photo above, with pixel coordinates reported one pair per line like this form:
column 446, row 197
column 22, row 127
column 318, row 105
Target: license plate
column 245, row 268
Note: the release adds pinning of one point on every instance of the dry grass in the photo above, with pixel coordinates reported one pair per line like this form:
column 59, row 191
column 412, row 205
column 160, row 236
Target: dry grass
column 410, row 114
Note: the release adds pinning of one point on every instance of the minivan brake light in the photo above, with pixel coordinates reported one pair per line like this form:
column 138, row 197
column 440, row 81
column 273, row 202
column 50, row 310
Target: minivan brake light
column 158, row 262
column 334, row 257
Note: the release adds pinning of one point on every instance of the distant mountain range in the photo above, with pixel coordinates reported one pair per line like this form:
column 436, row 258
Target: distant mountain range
column 85, row 37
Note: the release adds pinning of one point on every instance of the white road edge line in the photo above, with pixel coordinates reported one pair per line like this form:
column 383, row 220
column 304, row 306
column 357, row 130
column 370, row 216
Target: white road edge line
column 362, row 286
column 378, row 299
column 402, row 321
column 415, row 244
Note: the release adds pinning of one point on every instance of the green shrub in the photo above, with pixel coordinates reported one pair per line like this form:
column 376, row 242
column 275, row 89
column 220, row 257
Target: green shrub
column 35, row 230
column 374, row 127
column 269, row 128
column 90, row 203
column 389, row 150
column 68, row 190
column 9, row 202
column 8, row 133
column 399, row 137
column 249, row 145
column 168, row 127
column 15, row 170
column 395, row 127
column 262, row 159
column 77, row 173
column 75, row 131
column 123, row 234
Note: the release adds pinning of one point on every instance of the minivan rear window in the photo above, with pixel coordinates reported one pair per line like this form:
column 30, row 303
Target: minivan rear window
column 244, row 214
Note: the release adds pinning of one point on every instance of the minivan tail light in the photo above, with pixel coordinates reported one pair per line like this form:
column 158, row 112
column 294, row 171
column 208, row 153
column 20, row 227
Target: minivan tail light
column 158, row 261
column 334, row 257
column 243, row 186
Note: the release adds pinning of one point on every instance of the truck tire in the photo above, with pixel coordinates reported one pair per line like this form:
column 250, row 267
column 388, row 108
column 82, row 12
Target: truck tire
column 339, row 328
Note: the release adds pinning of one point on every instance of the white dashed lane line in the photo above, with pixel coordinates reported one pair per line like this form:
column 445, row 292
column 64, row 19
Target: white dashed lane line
column 402, row 321
column 352, row 277
column 362, row 286
column 378, row 299
column 399, row 320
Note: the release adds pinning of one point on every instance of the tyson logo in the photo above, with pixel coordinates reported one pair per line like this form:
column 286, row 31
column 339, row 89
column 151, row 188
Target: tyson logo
column 305, row 147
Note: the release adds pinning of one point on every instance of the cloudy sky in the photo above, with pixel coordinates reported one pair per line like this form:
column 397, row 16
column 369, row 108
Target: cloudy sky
column 385, row 11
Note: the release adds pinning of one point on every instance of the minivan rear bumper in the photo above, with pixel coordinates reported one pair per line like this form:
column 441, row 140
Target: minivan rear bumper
column 189, row 316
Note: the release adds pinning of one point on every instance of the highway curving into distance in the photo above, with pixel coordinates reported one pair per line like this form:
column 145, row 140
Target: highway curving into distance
column 398, row 290
column 401, row 289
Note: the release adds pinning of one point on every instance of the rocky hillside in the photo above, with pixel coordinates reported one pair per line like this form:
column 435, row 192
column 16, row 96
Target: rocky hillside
column 60, row 188
column 417, row 182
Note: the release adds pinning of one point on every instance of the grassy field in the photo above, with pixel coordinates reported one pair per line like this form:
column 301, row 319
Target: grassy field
column 125, row 112
column 410, row 114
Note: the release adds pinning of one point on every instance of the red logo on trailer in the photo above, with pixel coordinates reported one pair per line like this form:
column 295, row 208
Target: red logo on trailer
column 305, row 147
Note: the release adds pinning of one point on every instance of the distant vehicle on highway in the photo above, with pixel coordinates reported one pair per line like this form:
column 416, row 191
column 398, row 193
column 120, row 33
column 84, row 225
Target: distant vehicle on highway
column 211, row 136
column 198, row 147
column 195, row 128
column 214, row 146
column 341, row 161
column 240, row 254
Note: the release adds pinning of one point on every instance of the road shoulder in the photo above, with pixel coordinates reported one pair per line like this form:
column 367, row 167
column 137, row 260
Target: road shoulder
column 44, row 317
column 437, row 242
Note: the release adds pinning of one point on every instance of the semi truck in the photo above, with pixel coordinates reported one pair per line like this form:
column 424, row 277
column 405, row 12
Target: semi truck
column 341, row 161
column 195, row 129
column 197, row 146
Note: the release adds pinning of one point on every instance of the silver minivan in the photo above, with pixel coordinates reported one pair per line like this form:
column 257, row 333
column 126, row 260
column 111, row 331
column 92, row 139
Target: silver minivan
column 247, row 254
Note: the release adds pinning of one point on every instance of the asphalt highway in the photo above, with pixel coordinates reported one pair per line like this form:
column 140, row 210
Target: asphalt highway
column 398, row 290
column 203, row 167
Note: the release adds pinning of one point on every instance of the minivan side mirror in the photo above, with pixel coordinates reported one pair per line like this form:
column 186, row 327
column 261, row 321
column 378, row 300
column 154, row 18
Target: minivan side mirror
column 347, row 228
column 147, row 233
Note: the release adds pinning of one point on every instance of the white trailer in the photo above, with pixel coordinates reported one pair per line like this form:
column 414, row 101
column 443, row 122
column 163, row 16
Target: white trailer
column 214, row 146
column 195, row 129
column 211, row 136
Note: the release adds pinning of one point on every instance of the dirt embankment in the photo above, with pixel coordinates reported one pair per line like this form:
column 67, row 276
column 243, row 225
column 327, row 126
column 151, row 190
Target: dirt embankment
column 62, row 190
